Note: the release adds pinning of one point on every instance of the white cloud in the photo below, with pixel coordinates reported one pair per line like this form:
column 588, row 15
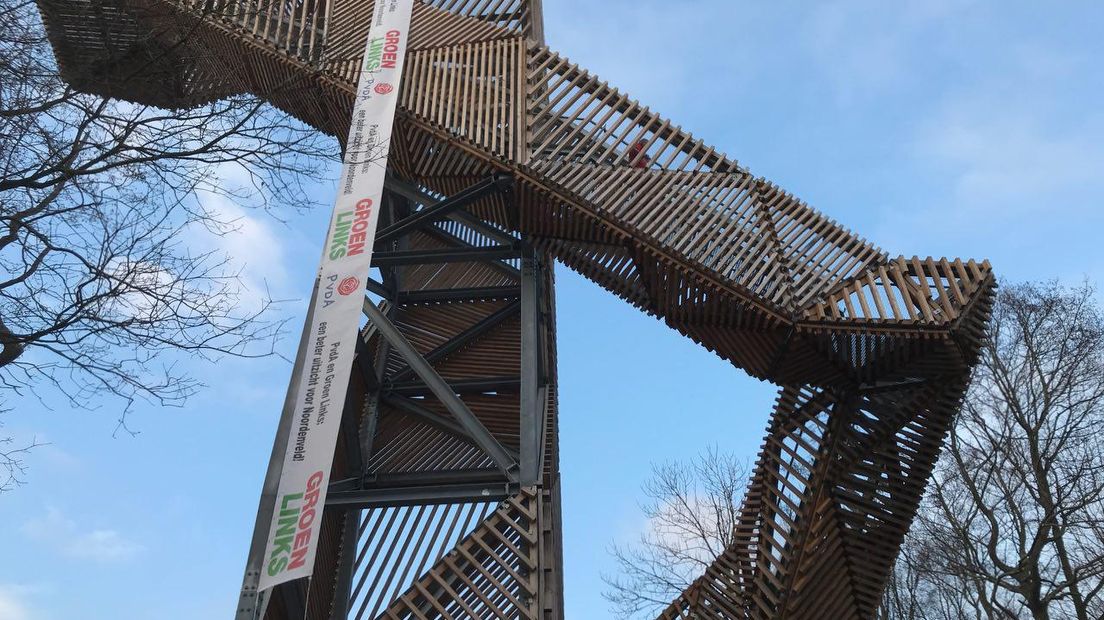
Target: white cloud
column 15, row 604
column 1019, row 133
column 62, row 534
column 252, row 245
column 864, row 47
column 1013, row 156
column 1002, row 154
column 103, row 545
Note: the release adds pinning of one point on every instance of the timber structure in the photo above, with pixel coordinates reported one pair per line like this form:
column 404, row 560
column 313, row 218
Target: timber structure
column 506, row 157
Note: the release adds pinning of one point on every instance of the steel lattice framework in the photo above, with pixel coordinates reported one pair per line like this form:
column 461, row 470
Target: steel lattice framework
column 506, row 157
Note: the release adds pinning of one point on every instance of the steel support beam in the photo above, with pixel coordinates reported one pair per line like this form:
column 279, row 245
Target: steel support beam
column 459, row 294
column 499, row 265
column 403, row 479
column 411, row 406
column 494, row 183
column 423, row 496
column 414, row 193
column 440, row 388
column 483, row 228
column 367, row 366
column 459, row 386
column 459, row 255
column 345, row 566
column 396, row 209
column 378, row 288
column 366, row 433
column 251, row 601
column 890, row 386
column 459, row 340
column 428, row 478
column 532, row 410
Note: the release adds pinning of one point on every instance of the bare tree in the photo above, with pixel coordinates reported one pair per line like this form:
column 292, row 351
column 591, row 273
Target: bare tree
column 1013, row 523
column 100, row 290
column 692, row 508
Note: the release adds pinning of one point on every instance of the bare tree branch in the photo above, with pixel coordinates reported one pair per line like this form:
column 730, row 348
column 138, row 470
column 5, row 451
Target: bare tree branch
column 1013, row 524
column 691, row 509
column 100, row 290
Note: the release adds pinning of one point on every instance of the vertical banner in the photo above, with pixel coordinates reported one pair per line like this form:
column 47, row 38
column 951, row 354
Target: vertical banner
column 320, row 389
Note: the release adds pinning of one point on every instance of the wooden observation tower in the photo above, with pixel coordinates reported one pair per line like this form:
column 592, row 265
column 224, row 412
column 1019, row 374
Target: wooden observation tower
column 445, row 500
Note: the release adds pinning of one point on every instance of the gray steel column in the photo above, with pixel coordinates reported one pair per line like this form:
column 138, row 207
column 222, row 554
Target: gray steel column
column 251, row 603
column 344, row 581
column 532, row 410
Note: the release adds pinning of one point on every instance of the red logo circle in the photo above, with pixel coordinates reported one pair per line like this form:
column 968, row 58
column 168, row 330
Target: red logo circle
column 383, row 88
column 348, row 286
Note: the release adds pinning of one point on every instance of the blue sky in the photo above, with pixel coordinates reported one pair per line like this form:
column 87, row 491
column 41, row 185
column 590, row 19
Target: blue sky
column 942, row 127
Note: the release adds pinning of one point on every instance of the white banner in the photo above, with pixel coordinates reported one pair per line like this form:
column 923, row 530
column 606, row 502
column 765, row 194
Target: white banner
column 320, row 389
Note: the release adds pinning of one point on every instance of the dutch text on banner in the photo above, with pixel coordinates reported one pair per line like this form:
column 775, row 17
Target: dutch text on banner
column 320, row 389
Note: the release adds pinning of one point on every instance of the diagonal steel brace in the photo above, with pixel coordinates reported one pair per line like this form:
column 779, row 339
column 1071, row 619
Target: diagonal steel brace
column 440, row 388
